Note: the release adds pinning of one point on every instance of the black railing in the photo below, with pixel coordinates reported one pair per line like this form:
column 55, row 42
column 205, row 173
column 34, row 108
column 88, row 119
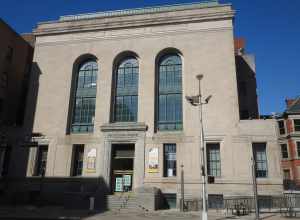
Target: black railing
column 290, row 185
column 288, row 204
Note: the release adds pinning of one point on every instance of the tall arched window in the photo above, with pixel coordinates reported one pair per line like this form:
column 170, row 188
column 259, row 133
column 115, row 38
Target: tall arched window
column 126, row 91
column 169, row 100
column 85, row 98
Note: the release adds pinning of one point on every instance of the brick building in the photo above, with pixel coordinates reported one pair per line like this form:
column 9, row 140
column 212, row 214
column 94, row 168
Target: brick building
column 289, row 139
column 15, row 66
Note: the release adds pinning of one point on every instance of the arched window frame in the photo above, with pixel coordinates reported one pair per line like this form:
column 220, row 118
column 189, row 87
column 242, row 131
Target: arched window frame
column 125, row 90
column 84, row 96
column 169, row 92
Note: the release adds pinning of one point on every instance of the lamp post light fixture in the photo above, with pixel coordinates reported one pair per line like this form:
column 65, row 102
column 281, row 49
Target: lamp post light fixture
column 197, row 101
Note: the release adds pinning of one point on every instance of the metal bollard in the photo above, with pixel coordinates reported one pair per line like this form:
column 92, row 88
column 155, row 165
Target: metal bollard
column 92, row 203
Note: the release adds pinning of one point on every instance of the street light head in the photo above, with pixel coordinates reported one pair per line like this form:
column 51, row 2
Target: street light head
column 208, row 98
column 199, row 77
column 192, row 100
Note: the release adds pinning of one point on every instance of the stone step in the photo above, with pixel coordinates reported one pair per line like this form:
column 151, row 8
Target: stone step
column 123, row 202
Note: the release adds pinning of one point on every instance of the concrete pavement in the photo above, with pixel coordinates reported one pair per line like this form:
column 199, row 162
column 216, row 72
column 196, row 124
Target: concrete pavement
column 51, row 213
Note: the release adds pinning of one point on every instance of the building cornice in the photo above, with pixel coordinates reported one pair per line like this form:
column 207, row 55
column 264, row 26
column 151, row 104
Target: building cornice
column 193, row 13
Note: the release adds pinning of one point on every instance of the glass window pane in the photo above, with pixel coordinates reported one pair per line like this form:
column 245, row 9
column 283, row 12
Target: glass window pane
column 84, row 105
column 126, row 90
column 213, row 159
column 260, row 157
column 169, row 93
column 170, row 160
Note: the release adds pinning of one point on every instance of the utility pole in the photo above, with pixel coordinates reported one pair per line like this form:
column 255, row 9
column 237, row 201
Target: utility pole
column 203, row 150
column 182, row 208
column 197, row 101
column 255, row 188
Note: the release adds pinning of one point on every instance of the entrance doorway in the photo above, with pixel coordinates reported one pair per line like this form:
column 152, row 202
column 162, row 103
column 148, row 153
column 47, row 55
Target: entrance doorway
column 122, row 159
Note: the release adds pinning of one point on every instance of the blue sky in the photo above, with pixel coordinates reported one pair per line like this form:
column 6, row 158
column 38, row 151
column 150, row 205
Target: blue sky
column 271, row 29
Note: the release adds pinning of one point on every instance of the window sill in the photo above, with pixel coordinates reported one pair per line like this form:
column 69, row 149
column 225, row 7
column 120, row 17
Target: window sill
column 171, row 179
column 262, row 178
column 37, row 177
column 175, row 132
column 80, row 134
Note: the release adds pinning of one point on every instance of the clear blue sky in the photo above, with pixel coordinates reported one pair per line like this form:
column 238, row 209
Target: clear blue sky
column 272, row 30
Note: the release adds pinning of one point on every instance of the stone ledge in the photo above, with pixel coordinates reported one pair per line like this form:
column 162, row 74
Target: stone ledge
column 124, row 126
column 92, row 23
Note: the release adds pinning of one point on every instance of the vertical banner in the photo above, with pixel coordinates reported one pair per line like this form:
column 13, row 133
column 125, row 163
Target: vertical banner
column 153, row 160
column 91, row 160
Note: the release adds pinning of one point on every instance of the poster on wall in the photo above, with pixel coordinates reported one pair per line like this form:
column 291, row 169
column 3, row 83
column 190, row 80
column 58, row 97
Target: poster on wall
column 153, row 160
column 91, row 160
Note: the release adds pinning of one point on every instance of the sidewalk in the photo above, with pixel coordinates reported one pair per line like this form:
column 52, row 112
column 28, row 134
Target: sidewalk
column 49, row 213
column 175, row 214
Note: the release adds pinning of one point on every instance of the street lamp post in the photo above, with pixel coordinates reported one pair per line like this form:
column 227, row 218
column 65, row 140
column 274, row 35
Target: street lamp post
column 197, row 101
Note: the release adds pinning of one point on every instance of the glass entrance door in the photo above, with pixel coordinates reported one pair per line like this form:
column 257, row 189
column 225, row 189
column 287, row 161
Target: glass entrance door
column 122, row 181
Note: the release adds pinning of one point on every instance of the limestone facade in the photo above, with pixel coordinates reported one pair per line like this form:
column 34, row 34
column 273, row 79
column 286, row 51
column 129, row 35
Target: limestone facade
column 203, row 36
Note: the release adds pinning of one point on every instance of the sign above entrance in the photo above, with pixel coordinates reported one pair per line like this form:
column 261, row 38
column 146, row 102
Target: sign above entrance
column 153, row 160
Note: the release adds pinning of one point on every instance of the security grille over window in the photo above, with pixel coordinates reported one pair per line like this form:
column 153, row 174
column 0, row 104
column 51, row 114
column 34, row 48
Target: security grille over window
column 213, row 160
column 126, row 91
column 170, row 93
column 169, row 160
column 85, row 98
column 260, row 157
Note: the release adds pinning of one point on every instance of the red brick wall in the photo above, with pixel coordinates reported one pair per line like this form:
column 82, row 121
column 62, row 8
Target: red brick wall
column 289, row 125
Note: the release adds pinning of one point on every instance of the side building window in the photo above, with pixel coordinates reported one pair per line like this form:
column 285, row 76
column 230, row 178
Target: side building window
column 286, row 174
column 284, row 151
column 5, row 158
column 169, row 160
column 41, row 161
column 298, row 149
column 77, row 160
column 85, row 98
column 281, row 127
column 260, row 158
column 297, row 124
column 169, row 94
column 213, row 159
column 126, row 91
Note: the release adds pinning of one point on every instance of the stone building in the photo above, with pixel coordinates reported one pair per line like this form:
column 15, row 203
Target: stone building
column 111, row 106
column 289, row 139
column 15, row 65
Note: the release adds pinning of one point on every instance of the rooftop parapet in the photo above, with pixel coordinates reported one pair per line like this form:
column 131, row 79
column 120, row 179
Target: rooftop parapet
column 138, row 11
column 138, row 17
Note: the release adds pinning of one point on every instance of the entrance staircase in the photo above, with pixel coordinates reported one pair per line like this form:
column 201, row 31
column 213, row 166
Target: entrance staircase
column 124, row 202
